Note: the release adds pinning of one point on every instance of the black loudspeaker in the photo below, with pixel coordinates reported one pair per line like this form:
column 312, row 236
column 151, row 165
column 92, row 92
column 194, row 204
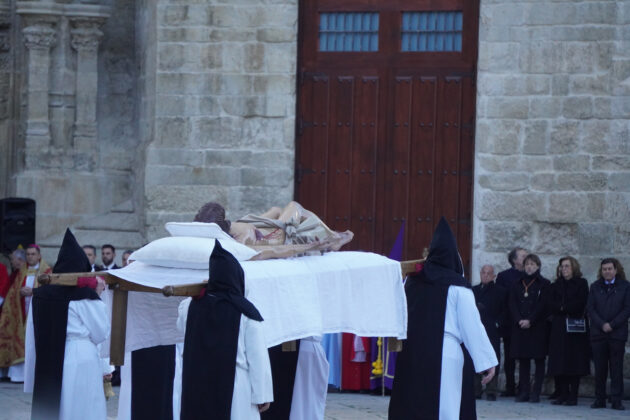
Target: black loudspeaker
column 17, row 223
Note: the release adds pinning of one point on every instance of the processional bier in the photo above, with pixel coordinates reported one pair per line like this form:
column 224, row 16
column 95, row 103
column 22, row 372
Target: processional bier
column 122, row 287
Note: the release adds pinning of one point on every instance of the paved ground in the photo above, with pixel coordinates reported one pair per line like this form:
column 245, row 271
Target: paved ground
column 15, row 405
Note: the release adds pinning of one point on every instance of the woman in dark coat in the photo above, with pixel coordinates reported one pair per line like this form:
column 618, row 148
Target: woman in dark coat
column 530, row 329
column 568, row 351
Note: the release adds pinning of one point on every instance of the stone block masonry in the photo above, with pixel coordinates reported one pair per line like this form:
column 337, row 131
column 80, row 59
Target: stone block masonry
column 552, row 169
column 224, row 108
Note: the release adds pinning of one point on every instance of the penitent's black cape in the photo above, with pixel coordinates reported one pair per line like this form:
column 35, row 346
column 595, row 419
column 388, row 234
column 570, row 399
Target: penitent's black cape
column 50, row 321
column 416, row 389
column 211, row 340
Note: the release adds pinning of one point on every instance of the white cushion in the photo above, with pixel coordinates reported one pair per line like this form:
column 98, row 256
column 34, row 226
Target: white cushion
column 187, row 252
column 196, row 229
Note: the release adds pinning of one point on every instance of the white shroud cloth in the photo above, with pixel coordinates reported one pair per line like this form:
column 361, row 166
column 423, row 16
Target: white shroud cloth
column 311, row 381
column 252, row 381
column 462, row 324
column 82, row 395
column 297, row 297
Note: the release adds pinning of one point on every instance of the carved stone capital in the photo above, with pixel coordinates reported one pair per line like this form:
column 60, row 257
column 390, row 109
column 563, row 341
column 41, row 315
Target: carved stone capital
column 86, row 33
column 40, row 34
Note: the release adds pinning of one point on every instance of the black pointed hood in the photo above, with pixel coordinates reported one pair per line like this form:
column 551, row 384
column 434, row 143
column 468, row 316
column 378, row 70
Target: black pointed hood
column 71, row 258
column 226, row 274
column 227, row 281
column 444, row 264
column 211, row 341
column 419, row 364
column 50, row 322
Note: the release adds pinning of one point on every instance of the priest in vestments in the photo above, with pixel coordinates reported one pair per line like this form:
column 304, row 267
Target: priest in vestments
column 225, row 371
column 428, row 383
column 14, row 310
column 68, row 322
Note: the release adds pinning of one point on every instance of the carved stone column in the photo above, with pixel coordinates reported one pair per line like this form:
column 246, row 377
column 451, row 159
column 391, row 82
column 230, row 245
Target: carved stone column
column 85, row 37
column 39, row 37
column 6, row 100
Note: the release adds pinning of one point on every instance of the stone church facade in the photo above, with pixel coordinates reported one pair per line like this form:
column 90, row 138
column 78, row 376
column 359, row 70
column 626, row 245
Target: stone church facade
column 119, row 115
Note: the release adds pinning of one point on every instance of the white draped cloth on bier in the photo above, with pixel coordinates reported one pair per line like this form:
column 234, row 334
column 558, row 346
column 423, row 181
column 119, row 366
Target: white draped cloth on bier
column 356, row 292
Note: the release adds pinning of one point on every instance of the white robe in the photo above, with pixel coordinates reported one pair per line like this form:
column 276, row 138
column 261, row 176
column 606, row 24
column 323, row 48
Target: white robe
column 252, row 382
column 17, row 372
column 311, row 381
column 82, row 395
column 462, row 324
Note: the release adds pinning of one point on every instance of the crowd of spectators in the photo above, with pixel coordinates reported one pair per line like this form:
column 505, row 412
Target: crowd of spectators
column 561, row 326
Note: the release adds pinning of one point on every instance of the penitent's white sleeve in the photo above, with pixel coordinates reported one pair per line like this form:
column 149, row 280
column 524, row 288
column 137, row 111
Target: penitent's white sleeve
column 258, row 362
column 472, row 331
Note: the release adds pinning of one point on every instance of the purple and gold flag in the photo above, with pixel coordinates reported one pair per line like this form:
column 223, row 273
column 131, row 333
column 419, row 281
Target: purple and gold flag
column 388, row 357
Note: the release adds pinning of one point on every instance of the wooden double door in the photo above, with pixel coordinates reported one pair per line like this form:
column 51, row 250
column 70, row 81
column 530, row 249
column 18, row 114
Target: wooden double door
column 385, row 118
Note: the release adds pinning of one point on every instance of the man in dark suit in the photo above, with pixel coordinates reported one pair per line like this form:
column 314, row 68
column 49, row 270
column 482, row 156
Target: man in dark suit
column 506, row 280
column 108, row 254
column 90, row 253
column 490, row 301
column 608, row 310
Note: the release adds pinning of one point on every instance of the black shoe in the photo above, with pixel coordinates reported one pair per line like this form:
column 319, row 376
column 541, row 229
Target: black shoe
column 617, row 406
column 478, row 396
column 554, row 396
column 558, row 402
column 534, row 399
column 508, row 393
column 116, row 376
column 570, row 402
column 599, row 404
column 522, row 398
column 491, row 397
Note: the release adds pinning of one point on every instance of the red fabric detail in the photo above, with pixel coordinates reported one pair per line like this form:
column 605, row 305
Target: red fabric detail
column 4, row 281
column 22, row 301
column 419, row 267
column 87, row 282
column 355, row 375
column 201, row 294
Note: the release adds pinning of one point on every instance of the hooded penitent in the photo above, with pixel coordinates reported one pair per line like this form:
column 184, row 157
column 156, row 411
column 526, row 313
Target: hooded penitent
column 416, row 389
column 50, row 319
column 211, row 342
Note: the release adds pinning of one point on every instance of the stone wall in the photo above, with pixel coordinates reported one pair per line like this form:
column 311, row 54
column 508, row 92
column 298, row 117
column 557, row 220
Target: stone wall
column 552, row 166
column 72, row 129
column 224, row 108
column 7, row 78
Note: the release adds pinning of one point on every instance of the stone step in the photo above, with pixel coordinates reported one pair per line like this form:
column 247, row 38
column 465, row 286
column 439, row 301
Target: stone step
column 96, row 237
column 125, row 207
column 114, row 221
column 122, row 240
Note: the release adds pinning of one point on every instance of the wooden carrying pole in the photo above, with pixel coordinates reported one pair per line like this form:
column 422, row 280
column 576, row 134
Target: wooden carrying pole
column 121, row 288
